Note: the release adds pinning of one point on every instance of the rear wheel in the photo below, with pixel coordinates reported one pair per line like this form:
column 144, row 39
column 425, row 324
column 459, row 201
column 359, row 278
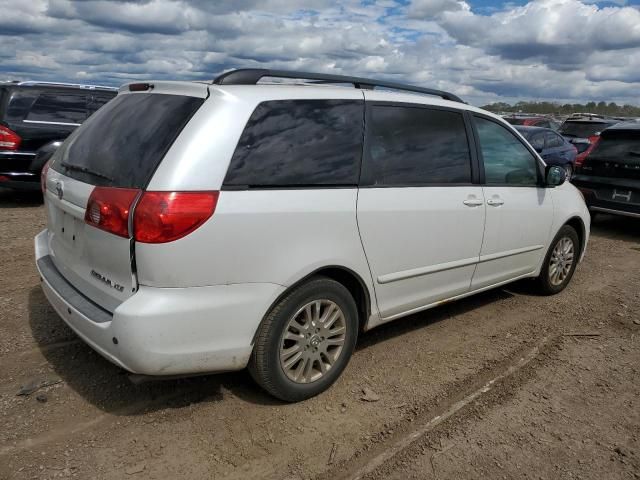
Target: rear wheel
column 560, row 262
column 305, row 342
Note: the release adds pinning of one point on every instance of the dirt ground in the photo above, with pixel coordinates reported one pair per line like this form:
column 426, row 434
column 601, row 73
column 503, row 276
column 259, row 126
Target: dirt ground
column 505, row 384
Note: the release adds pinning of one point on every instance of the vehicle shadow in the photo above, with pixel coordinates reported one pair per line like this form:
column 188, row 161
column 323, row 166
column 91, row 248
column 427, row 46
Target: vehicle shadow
column 17, row 199
column 109, row 388
column 616, row 227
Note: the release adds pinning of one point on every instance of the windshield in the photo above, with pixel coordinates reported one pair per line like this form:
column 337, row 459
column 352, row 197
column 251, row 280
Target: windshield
column 122, row 144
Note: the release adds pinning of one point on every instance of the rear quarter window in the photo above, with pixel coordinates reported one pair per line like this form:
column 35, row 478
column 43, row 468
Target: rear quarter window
column 289, row 143
column 58, row 108
column 124, row 142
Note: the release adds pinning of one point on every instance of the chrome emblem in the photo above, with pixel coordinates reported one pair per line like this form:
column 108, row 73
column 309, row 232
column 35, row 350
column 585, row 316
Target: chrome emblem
column 59, row 190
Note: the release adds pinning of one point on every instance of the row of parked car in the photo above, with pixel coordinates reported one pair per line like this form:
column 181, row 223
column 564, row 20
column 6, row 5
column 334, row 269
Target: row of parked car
column 601, row 155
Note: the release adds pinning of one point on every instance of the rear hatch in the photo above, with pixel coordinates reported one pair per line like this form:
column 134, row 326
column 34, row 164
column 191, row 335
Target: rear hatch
column 616, row 155
column 116, row 152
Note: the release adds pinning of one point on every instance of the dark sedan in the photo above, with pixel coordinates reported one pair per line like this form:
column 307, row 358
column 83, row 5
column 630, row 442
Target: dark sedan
column 553, row 148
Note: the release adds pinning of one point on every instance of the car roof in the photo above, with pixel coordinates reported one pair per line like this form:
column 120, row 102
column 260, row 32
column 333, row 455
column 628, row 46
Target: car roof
column 28, row 85
column 533, row 129
column 591, row 120
column 630, row 125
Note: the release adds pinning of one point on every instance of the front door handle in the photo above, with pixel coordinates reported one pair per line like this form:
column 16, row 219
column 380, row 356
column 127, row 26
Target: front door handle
column 472, row 202
column 495, row 202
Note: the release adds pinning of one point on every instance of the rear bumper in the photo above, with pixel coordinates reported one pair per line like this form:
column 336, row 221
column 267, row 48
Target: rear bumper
column 164, row 331
column 610, row 195
column 29, row 182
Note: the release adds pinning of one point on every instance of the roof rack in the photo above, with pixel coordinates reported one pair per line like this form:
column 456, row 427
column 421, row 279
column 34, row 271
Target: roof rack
column 62, row 84
column 251, row 76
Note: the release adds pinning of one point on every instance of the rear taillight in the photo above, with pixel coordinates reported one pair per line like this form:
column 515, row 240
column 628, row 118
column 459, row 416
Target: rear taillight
column 9, row 140
column 162, row 217
column 43, row 177
column 108, row 209
column 593, row 142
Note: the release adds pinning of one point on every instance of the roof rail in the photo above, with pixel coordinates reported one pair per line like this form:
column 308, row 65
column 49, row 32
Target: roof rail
column 251, row 76
column 62, row 84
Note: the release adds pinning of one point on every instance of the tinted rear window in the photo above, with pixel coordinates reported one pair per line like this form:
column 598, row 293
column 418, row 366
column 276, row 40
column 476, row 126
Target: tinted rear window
column 289, row 143
column 619, row 147
column 583, row 129
column 416, row 146
column 515, row 121
column 123, row 143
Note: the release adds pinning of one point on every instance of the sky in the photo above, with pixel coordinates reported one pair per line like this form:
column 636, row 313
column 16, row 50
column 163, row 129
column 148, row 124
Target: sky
column 482, row 50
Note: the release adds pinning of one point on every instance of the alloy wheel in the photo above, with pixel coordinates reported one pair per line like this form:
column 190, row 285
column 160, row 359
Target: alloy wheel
column 312, row 341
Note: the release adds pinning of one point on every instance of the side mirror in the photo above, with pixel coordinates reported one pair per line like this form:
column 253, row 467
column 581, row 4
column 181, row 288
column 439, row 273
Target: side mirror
column 538, row 149
column 555, row 176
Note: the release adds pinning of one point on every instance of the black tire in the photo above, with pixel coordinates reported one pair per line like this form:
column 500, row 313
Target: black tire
column 544, row 283
column 265, row 366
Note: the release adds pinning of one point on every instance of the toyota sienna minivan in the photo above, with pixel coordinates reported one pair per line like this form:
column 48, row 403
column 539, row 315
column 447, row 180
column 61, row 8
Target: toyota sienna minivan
column 208, row 227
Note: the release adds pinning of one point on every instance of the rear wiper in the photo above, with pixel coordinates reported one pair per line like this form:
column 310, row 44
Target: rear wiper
column 78, row 168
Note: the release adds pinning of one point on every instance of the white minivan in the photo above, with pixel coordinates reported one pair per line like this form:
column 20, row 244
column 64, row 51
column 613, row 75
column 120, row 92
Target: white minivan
column 207, row 227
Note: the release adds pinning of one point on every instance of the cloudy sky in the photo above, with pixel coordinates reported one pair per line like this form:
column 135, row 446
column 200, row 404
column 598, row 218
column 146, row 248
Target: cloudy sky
column 482, row 50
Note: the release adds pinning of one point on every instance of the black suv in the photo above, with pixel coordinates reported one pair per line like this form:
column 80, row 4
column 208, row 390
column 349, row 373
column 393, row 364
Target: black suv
column 37, row 116
column 609, row 178
column 583, row 130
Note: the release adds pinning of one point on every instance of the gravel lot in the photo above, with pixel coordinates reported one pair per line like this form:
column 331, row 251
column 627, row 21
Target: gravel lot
column 524, row 387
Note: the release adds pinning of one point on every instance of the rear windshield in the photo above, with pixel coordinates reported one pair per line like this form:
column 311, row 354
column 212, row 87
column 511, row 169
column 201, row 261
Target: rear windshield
column 583, row 129
column 124, row 142
column 516, row 121
column 621, row 147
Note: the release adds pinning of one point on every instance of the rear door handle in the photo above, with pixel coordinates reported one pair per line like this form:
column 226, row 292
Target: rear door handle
column 472, row 202
column 495, row 202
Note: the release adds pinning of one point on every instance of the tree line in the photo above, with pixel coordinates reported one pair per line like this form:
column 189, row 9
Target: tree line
column 601, row 108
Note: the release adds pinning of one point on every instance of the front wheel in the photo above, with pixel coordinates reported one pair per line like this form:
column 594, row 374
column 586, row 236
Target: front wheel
column 560, row 261
column 305, row 341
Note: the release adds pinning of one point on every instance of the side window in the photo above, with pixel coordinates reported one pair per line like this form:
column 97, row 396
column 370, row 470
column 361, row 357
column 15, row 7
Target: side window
column 299, row 143
column 553, row 140
column 537, row 141
column 59, row 107
column 506, row 160
column 416, row 146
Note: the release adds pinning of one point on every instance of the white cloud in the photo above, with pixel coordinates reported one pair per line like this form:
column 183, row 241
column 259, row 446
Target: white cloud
column 547, row 49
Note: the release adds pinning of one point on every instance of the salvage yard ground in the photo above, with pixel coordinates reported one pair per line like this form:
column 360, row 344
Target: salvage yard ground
column 505, row 384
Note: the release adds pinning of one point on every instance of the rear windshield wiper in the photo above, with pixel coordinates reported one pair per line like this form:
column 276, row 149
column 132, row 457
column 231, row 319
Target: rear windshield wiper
column 78, row 168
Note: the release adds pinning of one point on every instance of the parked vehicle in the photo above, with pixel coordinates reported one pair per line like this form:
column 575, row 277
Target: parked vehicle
column 200, row 227
column 609, row 178
column 584, row 133
column 532, row 121
column 35, row 114
column 553, row 148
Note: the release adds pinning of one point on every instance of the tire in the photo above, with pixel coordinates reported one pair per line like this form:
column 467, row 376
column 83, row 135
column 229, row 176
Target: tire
column 553, row 280
column 273, row 365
